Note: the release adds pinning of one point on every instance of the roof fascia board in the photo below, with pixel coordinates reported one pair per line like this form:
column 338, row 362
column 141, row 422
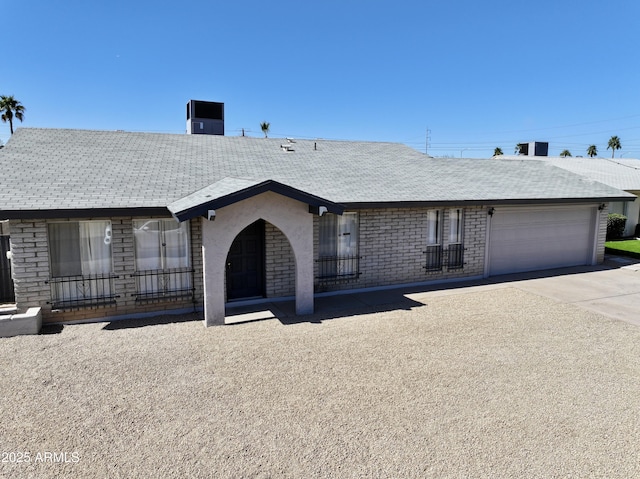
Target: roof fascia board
column 335, row 208
column 545, row 201
column 83, row 213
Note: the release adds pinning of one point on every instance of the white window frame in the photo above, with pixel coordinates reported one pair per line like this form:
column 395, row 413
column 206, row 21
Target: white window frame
column 85, row 276
column 434, row 240
column 455, row 255
column 159, row 274
column 339, row 245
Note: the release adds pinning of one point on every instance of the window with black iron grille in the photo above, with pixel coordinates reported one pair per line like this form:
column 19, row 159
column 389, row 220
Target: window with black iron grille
column 450, row 256
column 80, row 264
column 338, row 257
column 434, row 241
column 455, row 250
column 162, row 258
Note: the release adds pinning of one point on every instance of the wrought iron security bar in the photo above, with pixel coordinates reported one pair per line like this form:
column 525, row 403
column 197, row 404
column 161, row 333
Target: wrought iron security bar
column 434, row 258
column 71, row 292
column 174, row 283
column 338, row 268
column 437, row 257
column 455, row 256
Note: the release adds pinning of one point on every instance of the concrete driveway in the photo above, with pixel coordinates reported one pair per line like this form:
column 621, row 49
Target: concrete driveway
column 613, row 289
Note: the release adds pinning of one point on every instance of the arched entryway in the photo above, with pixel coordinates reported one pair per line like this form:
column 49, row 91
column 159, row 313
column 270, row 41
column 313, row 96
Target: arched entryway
column 260, row 263
column 289, row 216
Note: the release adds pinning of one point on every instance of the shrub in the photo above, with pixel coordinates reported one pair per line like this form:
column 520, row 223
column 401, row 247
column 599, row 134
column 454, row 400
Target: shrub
column 615, row 226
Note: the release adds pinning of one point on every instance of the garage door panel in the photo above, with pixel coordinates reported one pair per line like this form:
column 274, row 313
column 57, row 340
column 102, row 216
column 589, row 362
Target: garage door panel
column 528, row 237
column 528, row 240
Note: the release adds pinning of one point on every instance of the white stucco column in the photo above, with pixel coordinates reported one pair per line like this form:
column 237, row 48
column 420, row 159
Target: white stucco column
column 289, row 216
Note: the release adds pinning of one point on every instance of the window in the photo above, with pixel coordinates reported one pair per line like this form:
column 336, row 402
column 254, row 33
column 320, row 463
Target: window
column 434, row 240
column 163, row 266
column 338, row 247
column 81, row 266
column 456, row 247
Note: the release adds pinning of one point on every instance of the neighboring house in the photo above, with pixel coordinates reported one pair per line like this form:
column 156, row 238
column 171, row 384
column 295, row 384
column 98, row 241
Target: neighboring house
column 620, row 173
column 110, row 223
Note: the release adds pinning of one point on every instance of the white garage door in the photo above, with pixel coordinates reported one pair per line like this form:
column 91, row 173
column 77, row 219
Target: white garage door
column 528, row 239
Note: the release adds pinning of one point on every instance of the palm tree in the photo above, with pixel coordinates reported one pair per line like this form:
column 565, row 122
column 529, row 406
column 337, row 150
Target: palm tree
column 497, row 151
column 614, row 144
column 592, row 151
column 10, row 108
column 264, row 126
column 565, row 153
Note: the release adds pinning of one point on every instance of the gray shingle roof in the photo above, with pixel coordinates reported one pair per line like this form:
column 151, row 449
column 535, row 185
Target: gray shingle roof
column 622, row 173
column 44, row 169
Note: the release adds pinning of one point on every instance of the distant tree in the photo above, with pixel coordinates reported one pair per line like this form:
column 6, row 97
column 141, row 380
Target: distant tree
column 565, row 153
column 520, row 148
column 614, row 144
column 11, row 108
column 497, row 151
column 264, row 126
column 592, row 151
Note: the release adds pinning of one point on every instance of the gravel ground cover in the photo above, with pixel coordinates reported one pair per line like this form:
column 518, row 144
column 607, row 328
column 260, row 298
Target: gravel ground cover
column 494, row 383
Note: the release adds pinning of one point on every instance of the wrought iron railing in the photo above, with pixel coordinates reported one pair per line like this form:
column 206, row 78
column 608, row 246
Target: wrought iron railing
column 70, row 292
column 434, row 258
column 338, row 268
column 455, row 256
column 174, row 283
column 452, row 257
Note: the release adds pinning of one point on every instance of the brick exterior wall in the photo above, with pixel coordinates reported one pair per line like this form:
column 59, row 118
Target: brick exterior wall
column 30, row 264
column 393, row 243
column 280, row 265
column 31, row 272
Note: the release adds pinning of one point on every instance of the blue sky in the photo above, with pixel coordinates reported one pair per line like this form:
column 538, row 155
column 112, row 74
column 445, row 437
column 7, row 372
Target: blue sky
column 478, row 75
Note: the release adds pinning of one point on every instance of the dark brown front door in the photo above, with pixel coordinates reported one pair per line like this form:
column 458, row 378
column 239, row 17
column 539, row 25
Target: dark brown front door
column 245, row 263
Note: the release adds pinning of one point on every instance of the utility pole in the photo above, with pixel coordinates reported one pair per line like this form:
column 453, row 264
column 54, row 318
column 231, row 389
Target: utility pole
column 426, row 146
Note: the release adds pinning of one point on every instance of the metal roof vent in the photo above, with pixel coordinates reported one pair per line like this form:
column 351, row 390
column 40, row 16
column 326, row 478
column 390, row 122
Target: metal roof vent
column 288, row 146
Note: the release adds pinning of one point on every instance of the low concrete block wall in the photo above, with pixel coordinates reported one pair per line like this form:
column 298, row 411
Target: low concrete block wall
column 18, row 324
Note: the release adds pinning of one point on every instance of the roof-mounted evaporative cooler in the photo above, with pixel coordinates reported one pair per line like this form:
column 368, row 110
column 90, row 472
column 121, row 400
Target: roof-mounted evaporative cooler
column 205, row 118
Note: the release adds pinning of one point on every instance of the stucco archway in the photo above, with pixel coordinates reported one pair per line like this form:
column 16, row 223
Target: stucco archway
column 290, row 216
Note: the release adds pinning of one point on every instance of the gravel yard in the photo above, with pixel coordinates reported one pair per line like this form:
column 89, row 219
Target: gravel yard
column 493, row 383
